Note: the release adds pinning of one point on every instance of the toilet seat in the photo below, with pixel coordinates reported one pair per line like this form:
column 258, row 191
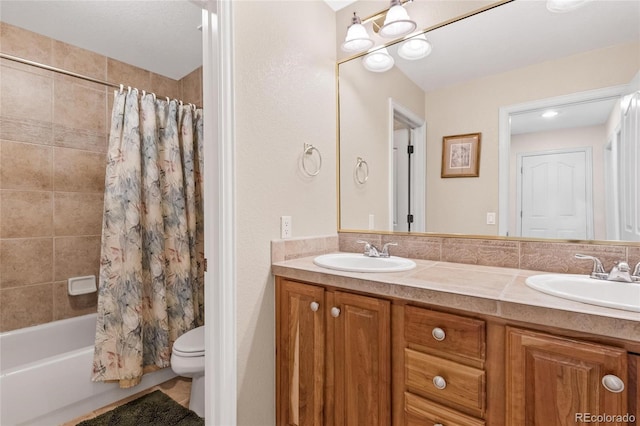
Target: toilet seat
column 190, row 344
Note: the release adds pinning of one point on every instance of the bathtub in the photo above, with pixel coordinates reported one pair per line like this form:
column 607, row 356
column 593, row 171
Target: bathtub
column 45, row 374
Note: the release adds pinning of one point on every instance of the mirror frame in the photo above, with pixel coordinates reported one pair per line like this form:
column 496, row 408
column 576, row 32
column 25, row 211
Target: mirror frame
column 502, row 113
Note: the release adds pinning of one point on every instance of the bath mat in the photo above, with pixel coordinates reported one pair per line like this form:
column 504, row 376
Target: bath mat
column 152, row 409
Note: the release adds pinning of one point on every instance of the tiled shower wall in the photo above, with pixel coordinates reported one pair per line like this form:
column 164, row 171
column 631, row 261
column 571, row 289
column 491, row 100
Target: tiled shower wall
column 53, row 142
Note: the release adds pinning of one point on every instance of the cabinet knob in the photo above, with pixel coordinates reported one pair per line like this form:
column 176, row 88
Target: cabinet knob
column 314, row 306
column 613, row 383
column 335, row 312
column 438, row 334
column 439, row 382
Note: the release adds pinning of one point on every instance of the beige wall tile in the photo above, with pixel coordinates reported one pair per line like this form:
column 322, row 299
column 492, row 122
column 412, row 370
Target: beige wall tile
column 66, row 306
column 25, row 166
column 79, row 60
column 481, row 252
column 633, row 256
column 76, row 257
column 78, row 171
column 26, row 130
column 428, row 248
column 164, row 86
column 349, row 241
column 25, row 44
column 26, row 261
column 77, row 213
column 192, row 87
column 78, row 138
column 121, row 73
column 79, row 107
column 559, row 257
column 26, row 306
column 25, row 95
column 26, row 214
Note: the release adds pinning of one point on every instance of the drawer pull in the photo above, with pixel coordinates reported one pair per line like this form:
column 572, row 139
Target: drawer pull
column 314, row 306
column 439, row 382
column 438, row 334
column 335, row 312
column 613, row 383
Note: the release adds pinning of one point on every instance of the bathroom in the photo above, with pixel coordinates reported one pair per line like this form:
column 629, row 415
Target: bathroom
column 274, row 60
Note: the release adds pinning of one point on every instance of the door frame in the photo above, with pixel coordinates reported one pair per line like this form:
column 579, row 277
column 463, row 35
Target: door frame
column 588, row 176
column 504, row 137
column 419, row 129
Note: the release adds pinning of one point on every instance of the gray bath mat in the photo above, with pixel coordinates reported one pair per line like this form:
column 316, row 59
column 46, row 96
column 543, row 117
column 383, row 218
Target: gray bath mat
column 152, row 409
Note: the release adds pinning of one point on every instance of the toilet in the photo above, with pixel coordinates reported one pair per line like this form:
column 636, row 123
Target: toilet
column 187, row 360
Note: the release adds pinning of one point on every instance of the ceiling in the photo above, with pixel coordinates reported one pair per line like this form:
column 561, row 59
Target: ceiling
column 159, row 36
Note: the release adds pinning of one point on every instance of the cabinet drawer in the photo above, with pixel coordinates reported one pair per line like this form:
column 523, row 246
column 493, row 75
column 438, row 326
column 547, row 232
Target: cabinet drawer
column 464, row 386
column 420, row 412
column 447, row 333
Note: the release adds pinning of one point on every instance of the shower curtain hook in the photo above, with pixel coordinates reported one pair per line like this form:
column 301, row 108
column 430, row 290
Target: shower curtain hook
column 121, row 88
column 128, row 89
column 154, row 96
column 144, row 93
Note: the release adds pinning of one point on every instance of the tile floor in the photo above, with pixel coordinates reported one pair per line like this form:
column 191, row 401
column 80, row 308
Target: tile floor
column 178, row 388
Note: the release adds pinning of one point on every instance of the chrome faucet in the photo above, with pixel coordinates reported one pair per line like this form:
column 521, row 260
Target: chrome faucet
column 372, row 251
column 619, row 272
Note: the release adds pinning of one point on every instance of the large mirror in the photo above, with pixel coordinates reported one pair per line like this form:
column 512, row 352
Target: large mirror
column 487, row 82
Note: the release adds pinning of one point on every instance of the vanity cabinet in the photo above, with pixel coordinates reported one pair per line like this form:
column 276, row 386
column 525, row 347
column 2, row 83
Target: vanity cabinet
column 350, row 359
column 333, row 357
column 552, row 380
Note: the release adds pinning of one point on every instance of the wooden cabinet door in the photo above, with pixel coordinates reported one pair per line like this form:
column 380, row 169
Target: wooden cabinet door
column 361, row 358
column 300, row 335
column 557, row 381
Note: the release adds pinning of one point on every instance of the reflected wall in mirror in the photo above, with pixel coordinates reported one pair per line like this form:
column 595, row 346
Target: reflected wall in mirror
column 501, row 63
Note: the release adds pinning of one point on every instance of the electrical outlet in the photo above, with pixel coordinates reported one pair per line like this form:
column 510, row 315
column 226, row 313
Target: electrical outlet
column 491, row 218
column 285, row 227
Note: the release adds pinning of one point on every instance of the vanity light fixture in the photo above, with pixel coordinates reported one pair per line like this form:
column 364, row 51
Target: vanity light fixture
column 397, row 22
column 414, row 48
column 378, row 60
column 357, row 38
column 561, row 6
column 550, row 114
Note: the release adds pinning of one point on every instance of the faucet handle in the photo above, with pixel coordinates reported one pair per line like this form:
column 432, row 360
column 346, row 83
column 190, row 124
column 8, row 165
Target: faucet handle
column 636, row 272
column 367, row 246
column 385, row 249
column 598, row 269
column 369, row 249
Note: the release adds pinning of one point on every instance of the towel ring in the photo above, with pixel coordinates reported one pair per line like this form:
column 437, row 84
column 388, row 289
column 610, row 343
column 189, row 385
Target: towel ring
column 308, row 151
column 361, row 171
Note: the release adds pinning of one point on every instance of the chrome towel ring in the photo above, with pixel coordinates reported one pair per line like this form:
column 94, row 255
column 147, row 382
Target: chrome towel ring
column 308, row 151
column 361, row 171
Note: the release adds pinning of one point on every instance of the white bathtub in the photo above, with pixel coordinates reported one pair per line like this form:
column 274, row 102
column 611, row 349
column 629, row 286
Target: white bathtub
column 45, row 374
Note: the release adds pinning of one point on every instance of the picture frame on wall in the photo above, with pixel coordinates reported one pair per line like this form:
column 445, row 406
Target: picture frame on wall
column 461, row 155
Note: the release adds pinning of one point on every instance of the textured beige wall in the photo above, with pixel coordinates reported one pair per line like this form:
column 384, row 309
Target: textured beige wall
column 474, row 107
column 53, row 141
column 284, row 96
column 365, row 133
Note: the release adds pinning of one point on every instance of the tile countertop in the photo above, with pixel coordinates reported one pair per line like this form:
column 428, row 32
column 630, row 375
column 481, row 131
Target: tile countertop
column 499, row 292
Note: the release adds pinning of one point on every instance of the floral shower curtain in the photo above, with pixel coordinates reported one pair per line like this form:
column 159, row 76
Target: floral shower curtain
column 152, row 261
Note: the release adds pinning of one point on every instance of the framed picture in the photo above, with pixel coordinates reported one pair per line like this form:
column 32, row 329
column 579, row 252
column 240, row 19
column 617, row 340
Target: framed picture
column 461, row 156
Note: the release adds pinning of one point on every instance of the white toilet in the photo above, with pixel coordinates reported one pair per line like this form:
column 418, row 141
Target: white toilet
column 187, row 360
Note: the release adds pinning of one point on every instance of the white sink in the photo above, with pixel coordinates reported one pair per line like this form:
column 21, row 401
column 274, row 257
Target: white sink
column 355, row 262
column 581, row 288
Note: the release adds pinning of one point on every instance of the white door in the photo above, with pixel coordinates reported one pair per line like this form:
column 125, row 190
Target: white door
column 629, row 174
column 401, row 180
column 555, row 195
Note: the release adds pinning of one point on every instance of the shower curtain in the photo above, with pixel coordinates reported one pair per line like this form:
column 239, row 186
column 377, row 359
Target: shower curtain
column 152, row 261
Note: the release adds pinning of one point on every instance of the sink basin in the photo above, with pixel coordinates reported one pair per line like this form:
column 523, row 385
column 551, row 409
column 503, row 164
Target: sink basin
column 355, row 262
column 581, row 288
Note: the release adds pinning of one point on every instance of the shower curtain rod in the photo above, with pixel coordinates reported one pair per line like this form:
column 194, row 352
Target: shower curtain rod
column 70, row 73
